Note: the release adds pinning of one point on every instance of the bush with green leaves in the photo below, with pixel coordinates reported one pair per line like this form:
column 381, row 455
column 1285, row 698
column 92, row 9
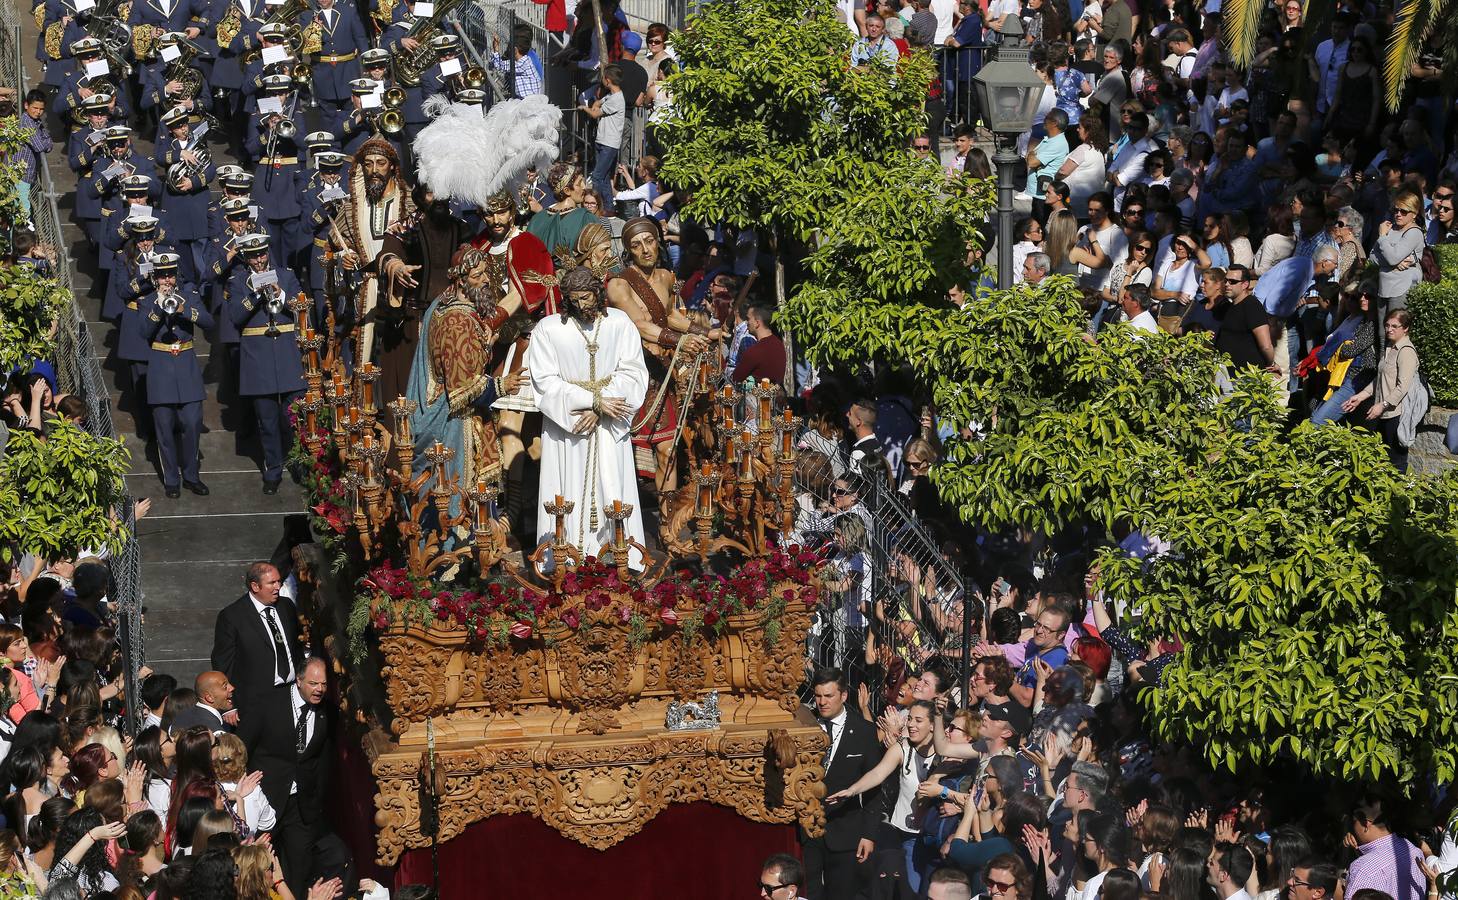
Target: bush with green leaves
column 31, row 305
column 58, row 494
column 1312, row 586
column 1434, row 309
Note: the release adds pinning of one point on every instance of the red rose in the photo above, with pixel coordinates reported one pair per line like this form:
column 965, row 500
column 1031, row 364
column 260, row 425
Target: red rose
column 521, row 630
column 711, row 617
column 668, row 616
column 571, row 619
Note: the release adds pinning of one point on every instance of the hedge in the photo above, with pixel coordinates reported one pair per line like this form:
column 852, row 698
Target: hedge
column 1434, row 309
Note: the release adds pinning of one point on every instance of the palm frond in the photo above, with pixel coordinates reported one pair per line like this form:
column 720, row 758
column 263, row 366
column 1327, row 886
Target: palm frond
column 1413, row 22
column 1242, row 24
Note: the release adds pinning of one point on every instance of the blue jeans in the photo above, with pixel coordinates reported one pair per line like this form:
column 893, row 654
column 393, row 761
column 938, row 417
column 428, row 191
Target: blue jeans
column 910, row 872
column 602, row 173
column 1330, row 409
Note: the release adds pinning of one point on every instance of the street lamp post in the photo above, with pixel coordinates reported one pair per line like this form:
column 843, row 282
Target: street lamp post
column 1008, row 90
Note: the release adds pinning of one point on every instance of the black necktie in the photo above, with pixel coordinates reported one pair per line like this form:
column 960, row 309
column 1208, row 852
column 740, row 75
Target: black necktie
column 301, row 732
column 830, row 733
column 280, row 653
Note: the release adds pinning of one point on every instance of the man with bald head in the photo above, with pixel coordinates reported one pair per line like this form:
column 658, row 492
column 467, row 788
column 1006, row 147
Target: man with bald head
column 287, row 739
column 214, row 710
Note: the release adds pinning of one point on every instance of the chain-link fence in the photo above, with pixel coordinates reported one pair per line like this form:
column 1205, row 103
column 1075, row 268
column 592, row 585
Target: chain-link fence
column 895, row 601
column 78, row 368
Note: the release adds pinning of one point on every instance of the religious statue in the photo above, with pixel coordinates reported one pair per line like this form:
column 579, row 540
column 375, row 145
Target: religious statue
column 413, row 266
column 378, row 199
column 588, row 374
column 559, row 225
column 646, row 293
column 449, row 381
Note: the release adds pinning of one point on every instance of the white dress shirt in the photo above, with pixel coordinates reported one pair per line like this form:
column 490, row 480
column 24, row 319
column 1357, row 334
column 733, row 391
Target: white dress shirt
column 267, row 613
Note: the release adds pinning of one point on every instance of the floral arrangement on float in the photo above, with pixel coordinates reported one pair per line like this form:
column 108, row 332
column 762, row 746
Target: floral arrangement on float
column 495, row 612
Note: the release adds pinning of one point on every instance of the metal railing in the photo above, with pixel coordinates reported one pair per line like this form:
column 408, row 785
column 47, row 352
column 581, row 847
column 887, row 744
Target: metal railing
column 894, row 603
column 78, row 370
column 478, row 23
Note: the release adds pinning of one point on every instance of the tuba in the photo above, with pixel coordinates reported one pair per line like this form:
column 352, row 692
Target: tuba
column 182, row 70
column 144, row 42
column 180, row 170
column 107, row 23
column 470, row 78
column 410, row 66
column 287, row 15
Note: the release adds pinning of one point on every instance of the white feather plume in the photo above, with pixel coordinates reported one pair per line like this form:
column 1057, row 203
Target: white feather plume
column 469, row 157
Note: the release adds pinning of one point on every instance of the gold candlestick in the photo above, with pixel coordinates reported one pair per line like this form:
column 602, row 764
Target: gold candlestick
column 559, row 509
column 403, row 408
column 787, row 426
column 441, row 491
column 618, row 514
column 366, row 376
column 706, row 483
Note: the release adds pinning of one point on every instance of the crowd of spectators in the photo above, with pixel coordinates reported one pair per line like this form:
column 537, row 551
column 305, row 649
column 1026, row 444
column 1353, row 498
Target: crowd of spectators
column 177, row 812
column 1043, row 782
column 1284, row 212
column 1174, row 186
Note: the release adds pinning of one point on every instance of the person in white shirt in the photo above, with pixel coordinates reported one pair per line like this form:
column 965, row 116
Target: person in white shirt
column 1127, row 166
column 240, row 787
column 1100, row 242
column 946, row 13
column 1137, row 303
column 1326, row 64
column 1229, row 869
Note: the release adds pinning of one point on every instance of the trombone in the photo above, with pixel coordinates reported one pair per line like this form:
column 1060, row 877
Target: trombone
column 285, row 128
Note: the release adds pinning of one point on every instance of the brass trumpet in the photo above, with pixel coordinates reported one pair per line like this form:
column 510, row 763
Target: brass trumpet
column 389, row 122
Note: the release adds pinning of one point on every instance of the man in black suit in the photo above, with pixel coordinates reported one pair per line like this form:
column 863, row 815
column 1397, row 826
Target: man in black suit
column 287, row 737
column 214, row 709
column 833, row 869
column 256, row 640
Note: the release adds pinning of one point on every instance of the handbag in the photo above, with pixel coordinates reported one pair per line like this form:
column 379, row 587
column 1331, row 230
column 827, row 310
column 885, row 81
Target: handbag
column 1432, row 272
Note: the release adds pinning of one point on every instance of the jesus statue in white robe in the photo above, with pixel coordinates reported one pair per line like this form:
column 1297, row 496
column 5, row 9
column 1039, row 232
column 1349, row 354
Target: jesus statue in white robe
column 589, row 379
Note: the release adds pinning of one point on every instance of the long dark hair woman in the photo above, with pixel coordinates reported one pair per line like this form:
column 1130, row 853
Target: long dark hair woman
column 1106, row 844
column 156, row 751
column 40, row 834
column 1185, row 877
column 40, row 730
column 1119, row 884
column 27, row 771
column 78, row 686
column 81, row 851
column 144, row 859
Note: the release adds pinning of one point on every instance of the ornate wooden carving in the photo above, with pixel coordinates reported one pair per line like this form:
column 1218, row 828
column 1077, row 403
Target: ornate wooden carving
column 599, row 791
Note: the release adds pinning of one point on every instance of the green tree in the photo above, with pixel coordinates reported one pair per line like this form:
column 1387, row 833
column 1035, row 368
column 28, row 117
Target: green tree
column 58, row 494
column 1313, row 587
column 30, row 308
column 773, row 129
